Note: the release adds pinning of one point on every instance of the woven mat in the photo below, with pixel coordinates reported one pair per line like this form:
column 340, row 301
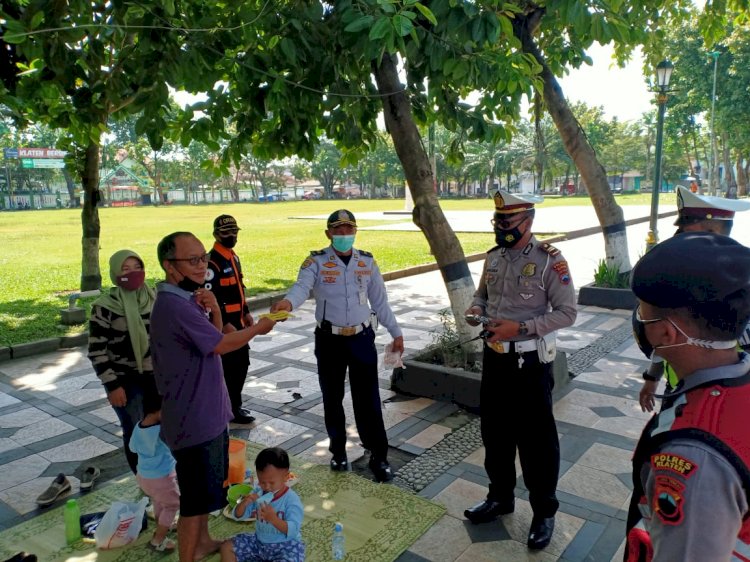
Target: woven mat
column 380, row 521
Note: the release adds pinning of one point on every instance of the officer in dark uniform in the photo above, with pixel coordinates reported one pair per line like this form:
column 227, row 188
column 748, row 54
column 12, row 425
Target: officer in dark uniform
column 690, row 468
column 347, row 285
column 695, row 213
column 224, row 279
column 527, row 294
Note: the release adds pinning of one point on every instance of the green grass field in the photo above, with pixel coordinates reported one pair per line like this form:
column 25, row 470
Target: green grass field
column 41, row 259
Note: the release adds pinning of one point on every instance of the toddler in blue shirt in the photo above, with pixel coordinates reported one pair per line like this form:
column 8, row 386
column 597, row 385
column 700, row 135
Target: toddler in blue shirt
column 278, row 511
column 156, row 471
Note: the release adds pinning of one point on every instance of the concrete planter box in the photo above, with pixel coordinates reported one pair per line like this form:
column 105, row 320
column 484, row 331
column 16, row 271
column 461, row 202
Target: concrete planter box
column 438, row 383
column 605, row 297
column 458, row 386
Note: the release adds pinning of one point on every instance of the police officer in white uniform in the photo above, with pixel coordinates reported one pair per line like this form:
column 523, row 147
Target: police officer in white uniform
column 527, row 293
column 347, row 285
column 696, row 213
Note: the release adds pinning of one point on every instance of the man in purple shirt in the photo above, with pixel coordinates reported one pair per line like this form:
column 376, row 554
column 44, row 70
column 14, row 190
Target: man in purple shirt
column 187, row 343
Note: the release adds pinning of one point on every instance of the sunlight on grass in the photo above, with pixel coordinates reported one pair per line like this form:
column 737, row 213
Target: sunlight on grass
column 41, row 258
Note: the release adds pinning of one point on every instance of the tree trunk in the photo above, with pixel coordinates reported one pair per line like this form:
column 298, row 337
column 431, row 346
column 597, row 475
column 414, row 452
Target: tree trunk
column 577, row 146
column 687, row 155
column 427, row 214
column 741, row 176
column 90, row 275
column 70, row 185
column 728, row 172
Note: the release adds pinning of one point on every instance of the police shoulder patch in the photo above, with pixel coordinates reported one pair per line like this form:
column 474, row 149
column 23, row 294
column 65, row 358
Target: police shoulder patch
column 363, row 253
column 549, row 249
column 673, row 463
column 307, row 263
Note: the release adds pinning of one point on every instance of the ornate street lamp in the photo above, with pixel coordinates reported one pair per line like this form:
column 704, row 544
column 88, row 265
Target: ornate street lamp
column 663, row 74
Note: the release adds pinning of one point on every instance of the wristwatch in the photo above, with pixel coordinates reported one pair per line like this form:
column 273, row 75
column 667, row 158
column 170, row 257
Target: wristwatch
column 648, row 377
column 522, row 329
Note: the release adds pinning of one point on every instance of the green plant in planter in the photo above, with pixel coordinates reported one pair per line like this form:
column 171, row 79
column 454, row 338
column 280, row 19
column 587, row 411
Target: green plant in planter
column 609, row 276
column 446, row 347
column 447, row 341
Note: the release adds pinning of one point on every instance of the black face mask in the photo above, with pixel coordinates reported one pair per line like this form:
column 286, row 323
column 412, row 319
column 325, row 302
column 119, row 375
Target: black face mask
column 639, row 333
column 228, row 241
column 189, row 285
column 508, row 238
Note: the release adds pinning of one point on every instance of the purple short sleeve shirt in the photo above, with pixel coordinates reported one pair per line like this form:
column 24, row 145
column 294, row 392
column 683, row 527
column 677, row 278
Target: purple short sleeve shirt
column 189, row 375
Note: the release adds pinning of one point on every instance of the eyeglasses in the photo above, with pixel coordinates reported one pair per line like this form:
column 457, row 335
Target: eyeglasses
column 638, row 317
column 195, row 260
column 505, row 224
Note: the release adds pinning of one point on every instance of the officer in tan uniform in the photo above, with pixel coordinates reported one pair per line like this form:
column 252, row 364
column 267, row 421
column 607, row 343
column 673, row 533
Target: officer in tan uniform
column 526, row 293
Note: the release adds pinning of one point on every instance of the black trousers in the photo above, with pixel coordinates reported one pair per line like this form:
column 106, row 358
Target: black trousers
column 357, row 353
column 235, row 365
column 516, row 414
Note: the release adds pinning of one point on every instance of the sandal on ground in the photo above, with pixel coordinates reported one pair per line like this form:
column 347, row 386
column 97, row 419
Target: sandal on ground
column 167, row 545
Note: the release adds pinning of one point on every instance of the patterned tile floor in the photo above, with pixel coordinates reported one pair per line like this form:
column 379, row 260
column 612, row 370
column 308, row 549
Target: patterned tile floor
column 54, row 418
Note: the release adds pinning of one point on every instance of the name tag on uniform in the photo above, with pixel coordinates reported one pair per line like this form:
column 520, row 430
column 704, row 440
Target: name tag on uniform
column 362, row 298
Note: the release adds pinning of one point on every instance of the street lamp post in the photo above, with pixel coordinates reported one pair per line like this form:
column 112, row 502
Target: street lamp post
column 714, row 149
column 663, row 74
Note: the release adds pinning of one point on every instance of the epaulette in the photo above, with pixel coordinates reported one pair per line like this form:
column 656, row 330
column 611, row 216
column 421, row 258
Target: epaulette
column 549, row 249
column 363, row 253
column 317, row 252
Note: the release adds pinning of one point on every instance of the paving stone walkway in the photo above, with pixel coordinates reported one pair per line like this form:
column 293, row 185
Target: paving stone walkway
column 54, row 418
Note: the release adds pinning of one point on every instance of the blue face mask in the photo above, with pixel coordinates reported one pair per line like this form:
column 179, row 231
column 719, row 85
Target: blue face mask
column 342, row 243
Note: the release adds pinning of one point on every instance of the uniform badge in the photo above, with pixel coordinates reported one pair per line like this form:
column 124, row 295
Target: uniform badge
column 681, row 466
column 668, row 500
column 499, row 201
column 528, row 270
column 526, row 296
column 209, row 274
column 307, row 263
column 493, row 263
column 360, row 263
column 329, row 264
column 549, row 249
column 561, row 268
column 497, row 347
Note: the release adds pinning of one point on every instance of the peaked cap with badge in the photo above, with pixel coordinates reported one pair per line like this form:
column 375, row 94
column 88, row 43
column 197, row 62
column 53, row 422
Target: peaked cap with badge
column 225, row 223
column 342, row 216
column 694, row 207
column 508, row 203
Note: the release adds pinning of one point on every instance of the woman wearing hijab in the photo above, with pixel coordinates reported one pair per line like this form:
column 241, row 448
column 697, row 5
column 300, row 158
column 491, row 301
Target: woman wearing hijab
column 119, row 345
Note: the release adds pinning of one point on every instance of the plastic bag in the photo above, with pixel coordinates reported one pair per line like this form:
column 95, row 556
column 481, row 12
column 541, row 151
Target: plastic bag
column 120, row 525
column 391, row 359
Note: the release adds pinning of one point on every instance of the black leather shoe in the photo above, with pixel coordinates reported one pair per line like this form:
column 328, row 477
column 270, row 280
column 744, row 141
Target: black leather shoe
column 243, row 416
column 540, row 533
column 381, row 470
column 339, row 464
column 487, row 511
